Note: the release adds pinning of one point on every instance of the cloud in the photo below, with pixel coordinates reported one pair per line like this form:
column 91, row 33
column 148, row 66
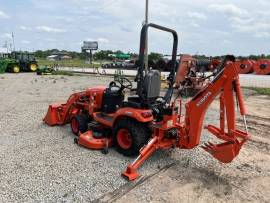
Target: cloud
column 196, row 25
column 103, row 40
column 262, row 35
column 3, row 15
column 100, row 40
column 255, row 24
column 116, row 24
column 42, row 29
column 24, row 28
column 50, row 40
column 228, row 9
column 6, row 36
column 25, row 42
column 49, row 29
column 197, row 16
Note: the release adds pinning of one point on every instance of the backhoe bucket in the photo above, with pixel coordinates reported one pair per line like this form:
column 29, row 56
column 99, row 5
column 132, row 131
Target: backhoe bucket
column 224, row 152
column 53, row 115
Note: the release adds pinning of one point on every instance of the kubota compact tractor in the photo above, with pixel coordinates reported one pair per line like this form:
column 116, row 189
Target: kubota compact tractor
column 143, row 123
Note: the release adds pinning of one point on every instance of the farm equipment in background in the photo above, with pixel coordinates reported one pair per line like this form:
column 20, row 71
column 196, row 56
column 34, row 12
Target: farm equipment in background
column 45, row 70
column 262, row 67
column 8, row 64
column 245, row 66
column 147, row 121
column 191, row 75
column 120, row 56
column 18, row 61
column 127, row 65
column 26, row 61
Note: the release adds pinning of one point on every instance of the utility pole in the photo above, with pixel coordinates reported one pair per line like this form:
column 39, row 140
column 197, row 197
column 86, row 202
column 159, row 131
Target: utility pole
column 13, row 41
column 6, row 46
column 146, row 41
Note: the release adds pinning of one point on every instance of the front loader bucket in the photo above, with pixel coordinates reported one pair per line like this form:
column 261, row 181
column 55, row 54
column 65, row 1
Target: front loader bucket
column 53, row 115
column 224, row 152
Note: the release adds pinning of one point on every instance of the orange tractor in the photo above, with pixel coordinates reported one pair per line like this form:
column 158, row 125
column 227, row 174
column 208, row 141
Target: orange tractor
column 142, row 123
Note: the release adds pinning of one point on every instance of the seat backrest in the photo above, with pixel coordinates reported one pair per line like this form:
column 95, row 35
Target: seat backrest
column 152, row 83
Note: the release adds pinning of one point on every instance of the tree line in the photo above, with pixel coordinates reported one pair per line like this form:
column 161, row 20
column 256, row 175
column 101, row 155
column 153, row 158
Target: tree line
column 106, row 55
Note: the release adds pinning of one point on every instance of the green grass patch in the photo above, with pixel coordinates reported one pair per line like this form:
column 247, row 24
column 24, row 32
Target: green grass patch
column 259, row 90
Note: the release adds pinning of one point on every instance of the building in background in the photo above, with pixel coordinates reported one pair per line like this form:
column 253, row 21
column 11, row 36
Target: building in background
column 58, row 56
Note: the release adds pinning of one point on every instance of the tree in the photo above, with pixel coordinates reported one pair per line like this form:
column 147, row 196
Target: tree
column 154, row 56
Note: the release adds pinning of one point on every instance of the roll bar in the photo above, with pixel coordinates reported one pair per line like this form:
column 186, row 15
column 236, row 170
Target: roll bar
column 141, row 73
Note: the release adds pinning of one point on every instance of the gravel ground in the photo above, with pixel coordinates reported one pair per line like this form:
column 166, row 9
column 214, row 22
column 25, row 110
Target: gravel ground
column 41, row 163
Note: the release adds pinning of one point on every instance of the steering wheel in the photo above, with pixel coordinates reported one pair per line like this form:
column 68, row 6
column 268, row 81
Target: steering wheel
column 125, row 83
column 121, row 84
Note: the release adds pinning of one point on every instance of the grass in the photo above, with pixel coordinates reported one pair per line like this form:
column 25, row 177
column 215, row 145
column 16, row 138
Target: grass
column 67, row 63
column 260, row 90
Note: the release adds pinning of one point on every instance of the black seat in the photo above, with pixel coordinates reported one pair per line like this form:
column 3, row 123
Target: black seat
column 151, row 91
column 112, row 100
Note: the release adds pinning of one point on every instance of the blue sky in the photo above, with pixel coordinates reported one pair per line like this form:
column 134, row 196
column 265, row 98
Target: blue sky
column 211, row 27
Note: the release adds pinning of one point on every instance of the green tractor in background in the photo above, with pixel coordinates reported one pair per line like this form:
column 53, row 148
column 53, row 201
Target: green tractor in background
column 17, row 62
column 7, row 64
column 27, row 61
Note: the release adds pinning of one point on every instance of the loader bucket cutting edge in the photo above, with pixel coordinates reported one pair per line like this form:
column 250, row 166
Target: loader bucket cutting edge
column 52, row 116
column 224, row 152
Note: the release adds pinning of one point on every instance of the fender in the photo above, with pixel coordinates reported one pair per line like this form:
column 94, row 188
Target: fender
column 141, row 115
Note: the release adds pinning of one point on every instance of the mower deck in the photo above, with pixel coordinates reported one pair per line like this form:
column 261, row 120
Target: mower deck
column 89, row 141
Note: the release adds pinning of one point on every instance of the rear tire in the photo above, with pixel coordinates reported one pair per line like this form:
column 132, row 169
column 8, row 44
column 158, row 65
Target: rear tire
column 130, row 136
column 79, row 124
column 15, row 69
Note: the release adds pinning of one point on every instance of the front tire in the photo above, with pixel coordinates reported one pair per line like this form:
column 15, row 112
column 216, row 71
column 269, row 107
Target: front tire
column 79, row 124
column 130, row 136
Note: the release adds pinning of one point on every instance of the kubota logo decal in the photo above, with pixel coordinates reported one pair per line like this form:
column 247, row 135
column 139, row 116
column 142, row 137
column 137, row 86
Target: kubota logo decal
column 208, row 94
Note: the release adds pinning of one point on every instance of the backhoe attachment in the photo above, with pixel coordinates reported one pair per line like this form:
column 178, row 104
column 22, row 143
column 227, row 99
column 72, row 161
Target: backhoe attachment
column 173, row 131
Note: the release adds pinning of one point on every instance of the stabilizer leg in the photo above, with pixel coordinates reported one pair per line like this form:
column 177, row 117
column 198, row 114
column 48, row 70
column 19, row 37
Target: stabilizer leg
column 131, row 172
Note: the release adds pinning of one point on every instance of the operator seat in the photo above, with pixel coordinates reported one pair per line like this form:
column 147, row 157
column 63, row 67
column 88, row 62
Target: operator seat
column 112, row 100
column 151, row 85
column 151, row 91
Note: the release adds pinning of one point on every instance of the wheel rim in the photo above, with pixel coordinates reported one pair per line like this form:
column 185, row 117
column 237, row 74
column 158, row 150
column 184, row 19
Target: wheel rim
column 263, row 66
column 242, row 66
column 124, row 139
column 16, row 69
column 33, row 67
column 74, row 126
